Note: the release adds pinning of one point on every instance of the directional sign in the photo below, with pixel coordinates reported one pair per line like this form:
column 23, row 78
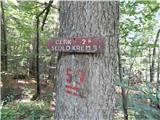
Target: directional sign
column 77, row 45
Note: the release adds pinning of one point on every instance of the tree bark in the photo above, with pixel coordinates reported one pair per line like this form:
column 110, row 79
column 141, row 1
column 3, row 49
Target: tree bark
column 32, row 59
column 152, row 69
column 38, row 88
column 94, row 72
column 37, row 58
column 124, row 91
column 158, row 71
column 4, row 41
column 158, row 79
column 5, row 77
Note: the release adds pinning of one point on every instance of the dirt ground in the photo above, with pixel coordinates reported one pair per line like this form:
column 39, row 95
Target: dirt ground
column 25, row 89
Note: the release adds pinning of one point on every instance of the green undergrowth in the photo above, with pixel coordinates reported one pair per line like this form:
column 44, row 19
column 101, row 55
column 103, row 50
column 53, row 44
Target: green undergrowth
column 26, row 110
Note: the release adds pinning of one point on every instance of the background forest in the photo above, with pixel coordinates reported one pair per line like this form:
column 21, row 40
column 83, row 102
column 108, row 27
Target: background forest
column 28, row 67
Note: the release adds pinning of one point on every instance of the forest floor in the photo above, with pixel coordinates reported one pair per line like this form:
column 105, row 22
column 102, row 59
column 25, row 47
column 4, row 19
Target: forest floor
column 19, row 106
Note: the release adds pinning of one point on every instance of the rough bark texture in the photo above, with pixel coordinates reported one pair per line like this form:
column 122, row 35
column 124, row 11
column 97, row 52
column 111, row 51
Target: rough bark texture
column 95, row 72
column 3, row 41
column 5, row 77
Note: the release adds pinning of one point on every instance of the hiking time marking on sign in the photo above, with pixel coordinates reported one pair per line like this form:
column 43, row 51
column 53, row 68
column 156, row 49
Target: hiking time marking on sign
column 77, row 45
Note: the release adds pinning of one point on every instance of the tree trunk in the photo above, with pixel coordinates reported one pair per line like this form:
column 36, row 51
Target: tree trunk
column 124, row 91
column 37, row 58
column 152, row 69
column 158, row 79
column 93, row 73
column 3, row 42
column 5, row 77
column 38, row 90
column 32, row 59
column 52, row 70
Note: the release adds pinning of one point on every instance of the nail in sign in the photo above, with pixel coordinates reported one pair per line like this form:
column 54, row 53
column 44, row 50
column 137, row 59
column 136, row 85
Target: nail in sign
column 78, row 45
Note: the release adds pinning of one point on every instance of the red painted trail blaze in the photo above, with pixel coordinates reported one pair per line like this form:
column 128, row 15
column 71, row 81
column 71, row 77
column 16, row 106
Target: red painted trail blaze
column 70, row 87
column 72, row 93
column 73, row 86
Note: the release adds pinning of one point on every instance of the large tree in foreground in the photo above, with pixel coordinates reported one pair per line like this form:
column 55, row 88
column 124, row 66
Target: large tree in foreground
column 95, row 99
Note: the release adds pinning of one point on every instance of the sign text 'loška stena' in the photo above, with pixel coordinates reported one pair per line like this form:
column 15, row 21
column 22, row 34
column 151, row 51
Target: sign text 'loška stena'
column 77, row 45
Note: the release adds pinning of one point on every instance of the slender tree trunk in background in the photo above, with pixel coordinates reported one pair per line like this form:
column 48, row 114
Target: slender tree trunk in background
column 152, row 69
column 149, row 65
column 52, row 71
column 37, row 59
column 158, row 67
column 32, row 60
column 146, row 73
column 124, row 91
column 5, row 80
column 158, row 79
column 95, row 99
column 36, row 63
column 3, row 41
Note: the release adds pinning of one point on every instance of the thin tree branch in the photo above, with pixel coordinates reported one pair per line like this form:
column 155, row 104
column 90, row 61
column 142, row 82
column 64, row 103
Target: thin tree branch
column 41, row 12
column 47, row 11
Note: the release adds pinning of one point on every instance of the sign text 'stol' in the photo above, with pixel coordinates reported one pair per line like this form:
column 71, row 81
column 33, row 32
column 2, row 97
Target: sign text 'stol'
column 78, row 45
